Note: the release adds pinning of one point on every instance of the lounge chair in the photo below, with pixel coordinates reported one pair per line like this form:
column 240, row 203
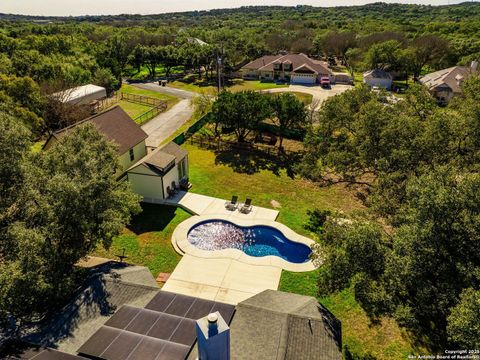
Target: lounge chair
column 185, row 184
column 232, row 205
column 247, row 207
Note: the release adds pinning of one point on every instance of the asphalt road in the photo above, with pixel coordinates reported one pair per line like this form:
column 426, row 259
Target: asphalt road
column 165, row 124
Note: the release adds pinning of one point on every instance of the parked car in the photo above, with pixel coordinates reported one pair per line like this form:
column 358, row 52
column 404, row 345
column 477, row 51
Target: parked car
column 325, row 82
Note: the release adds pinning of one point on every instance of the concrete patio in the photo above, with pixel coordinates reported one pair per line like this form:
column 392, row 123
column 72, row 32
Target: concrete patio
column 224, row 280
column 207, row 205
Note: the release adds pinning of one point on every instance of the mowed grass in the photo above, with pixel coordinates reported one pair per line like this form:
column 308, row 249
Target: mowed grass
column 130, row 89
column 235, row 86
column 192, row 86
column 147, row 240
column 211, row 176
column 216, row 177
column 133, row 109
column 242, row 85
column 382, row 340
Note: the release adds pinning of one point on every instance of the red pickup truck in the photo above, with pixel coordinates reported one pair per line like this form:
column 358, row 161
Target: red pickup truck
column 325, row 81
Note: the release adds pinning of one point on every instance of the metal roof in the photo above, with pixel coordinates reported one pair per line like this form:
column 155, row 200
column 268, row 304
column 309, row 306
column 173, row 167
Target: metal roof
column 76, row 94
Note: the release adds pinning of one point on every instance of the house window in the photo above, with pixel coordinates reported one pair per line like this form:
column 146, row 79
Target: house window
column 132, row 155
column 182, row 169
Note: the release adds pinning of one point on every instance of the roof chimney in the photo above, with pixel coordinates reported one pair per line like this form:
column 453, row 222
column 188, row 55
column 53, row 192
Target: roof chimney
column 213, row 335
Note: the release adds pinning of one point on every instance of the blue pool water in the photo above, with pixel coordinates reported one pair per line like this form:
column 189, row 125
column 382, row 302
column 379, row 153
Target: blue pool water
column 258, row 240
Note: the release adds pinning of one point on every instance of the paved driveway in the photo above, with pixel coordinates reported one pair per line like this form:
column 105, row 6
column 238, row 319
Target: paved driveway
column 182, row 94
column 319, row 94
column 165, row 124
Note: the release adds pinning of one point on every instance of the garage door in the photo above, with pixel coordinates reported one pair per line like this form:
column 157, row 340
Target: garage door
column 303, row 79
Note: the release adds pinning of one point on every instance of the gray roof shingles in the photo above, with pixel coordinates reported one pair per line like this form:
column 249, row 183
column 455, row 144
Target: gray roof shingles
column 159, row 159
column 275, row 325
column 447, row 78
column 298, row 61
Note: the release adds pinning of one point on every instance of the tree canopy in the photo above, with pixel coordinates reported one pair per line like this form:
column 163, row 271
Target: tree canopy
column 418, row 162
column 56, row 207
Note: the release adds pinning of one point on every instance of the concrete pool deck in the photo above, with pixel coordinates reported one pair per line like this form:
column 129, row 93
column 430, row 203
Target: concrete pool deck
column 225, row 280
column 228, row 275
column 183, row 246
column 207, row 205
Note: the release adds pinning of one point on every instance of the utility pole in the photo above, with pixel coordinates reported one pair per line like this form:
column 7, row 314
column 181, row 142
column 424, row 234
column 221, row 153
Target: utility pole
column 219, row 69
column 219, row 63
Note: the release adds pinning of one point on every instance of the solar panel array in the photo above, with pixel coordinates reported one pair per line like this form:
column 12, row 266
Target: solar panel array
column 165, row 329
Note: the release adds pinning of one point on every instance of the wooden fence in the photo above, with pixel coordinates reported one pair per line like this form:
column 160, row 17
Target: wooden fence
column 220, row 145
column 145, row 100
column 158, row 106
column 106, row 103
column 148, row 115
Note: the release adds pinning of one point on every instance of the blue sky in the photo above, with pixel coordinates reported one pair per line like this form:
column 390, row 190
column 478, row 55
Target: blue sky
column 97, row 7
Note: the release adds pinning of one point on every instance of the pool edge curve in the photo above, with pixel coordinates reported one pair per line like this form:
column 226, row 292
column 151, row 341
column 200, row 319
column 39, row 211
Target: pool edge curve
column 183, row 246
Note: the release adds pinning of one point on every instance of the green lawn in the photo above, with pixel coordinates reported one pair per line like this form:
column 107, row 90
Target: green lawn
column 241, row 85
column 235, row 86
column 263, row 180
column 133, row 109
column 192, row 86
column 147, row 239
column 130, row 89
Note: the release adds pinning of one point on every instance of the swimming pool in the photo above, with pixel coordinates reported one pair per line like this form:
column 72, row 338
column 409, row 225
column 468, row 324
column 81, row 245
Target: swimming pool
column 256, row 240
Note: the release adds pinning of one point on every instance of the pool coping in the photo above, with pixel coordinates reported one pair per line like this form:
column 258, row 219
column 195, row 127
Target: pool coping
column 183, row 246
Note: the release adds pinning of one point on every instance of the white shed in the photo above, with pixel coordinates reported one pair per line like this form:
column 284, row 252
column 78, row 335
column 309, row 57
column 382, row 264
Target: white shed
column 159, row 172
column 81, row 95
column 379, row 78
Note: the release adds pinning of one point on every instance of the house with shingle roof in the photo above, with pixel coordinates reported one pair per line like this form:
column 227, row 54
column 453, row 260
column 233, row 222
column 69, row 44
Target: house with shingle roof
column 447, row 83
column 154, row 174
column 292, row 68
column 378, row 78
column 278, row 325
column 157, row 175
column 119, row 128
column 150, row 324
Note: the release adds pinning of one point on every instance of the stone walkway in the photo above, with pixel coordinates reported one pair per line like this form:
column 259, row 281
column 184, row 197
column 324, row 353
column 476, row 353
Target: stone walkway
column 224, row 280
column 207, row 205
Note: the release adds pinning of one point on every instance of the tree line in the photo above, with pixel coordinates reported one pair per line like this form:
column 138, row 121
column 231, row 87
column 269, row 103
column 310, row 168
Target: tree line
column 48, row 57
column 414, row 255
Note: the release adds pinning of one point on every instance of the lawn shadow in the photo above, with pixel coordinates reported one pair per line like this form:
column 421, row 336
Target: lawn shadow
column 251, row 161
column 152, row 218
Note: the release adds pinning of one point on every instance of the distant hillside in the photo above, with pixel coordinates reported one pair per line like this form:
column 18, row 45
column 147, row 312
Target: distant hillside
column 347, row 14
